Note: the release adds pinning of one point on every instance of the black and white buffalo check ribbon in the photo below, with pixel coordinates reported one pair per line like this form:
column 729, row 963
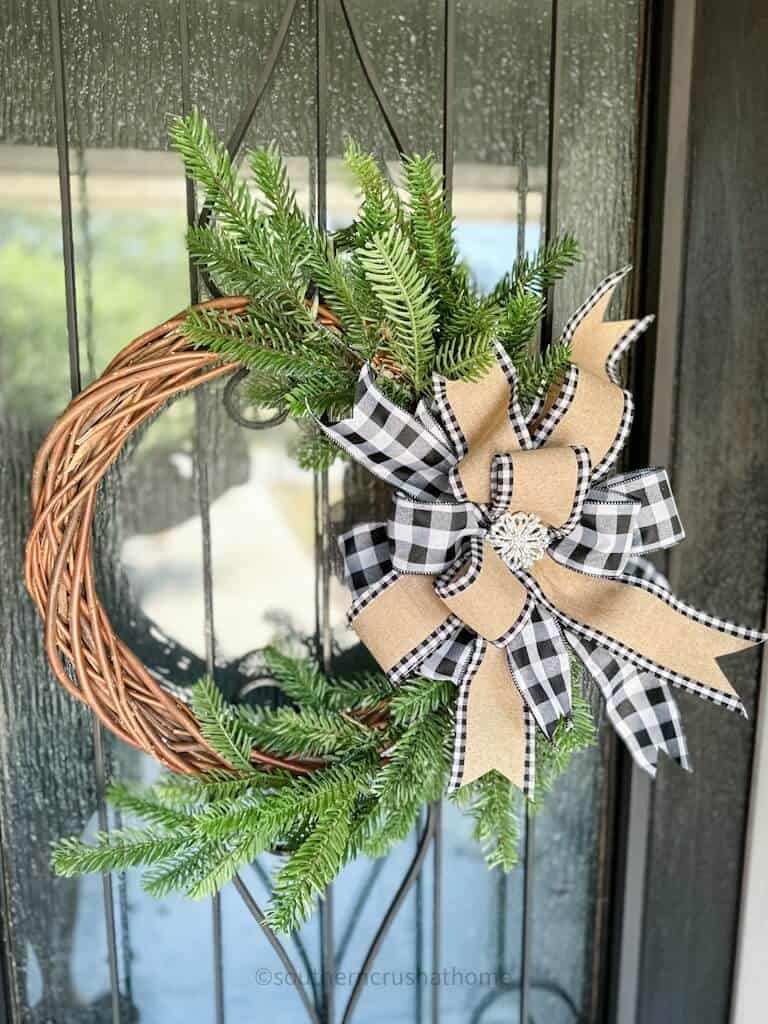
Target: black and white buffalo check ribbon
column 468, row 496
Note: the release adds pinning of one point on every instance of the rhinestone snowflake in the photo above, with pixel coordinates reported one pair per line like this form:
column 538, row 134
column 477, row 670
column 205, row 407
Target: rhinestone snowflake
column 520, row 538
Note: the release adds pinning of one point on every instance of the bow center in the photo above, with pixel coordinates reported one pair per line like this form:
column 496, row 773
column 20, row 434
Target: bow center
column 521, row 538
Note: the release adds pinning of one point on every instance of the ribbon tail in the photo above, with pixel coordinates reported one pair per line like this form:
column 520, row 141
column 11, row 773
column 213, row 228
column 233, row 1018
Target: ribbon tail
column 643, row 624
column 639, row 705
column 539, row 662
column 495, row 730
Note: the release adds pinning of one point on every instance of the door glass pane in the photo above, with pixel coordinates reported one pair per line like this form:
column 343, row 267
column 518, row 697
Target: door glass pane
column 202, row 507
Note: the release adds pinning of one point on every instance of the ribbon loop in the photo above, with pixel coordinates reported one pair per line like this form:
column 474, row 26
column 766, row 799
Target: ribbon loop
column 550, row 483
column 601, row 542
column 657, row 523
column 485, row 595
column 482, row 418
column 427, row 537
column 393, row 445
column 630, row 514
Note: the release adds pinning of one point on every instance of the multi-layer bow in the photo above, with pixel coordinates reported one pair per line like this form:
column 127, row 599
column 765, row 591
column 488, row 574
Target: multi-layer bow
column 506, row 543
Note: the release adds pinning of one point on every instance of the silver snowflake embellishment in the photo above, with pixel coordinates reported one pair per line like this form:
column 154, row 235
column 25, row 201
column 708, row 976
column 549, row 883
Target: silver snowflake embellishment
column 520, row 538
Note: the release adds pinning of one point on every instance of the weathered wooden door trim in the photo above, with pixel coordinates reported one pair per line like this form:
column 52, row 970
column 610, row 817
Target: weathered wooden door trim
column 705, row 217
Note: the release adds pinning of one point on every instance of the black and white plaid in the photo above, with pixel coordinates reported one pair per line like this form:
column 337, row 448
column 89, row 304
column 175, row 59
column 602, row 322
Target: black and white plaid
column 639, row 705
column 601, row 542
column 516, row 416
column 477, row 653
column 583, row 477
column 625, row 342
column 412, row 661
column 629, row 514
column 394, row 445
column 657, row 524
column 606, row 285
column 539, row 662
column 463, row 572
column 427, row 537
column 449, row 660
column 366, row 554
column 644, row 569
column 571, row 625
column 502, row 484
column 529, row 767
column 435, row 530
column 559, row 407
column 448, row 417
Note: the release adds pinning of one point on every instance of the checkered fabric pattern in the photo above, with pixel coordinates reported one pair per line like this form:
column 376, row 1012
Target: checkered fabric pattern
column 413, row 660
column 366, row 554
column 619, row 649
column 529, row 766
column 516, row 416
column 626, row 341
column 612, row 366
column 601, row 541
column 392, row 444
column 477, row 653
column 592, row 299
column 538, row 659
column 644, row 569
column 657, row 524
column 427, row 537
column 367, row 596
column 559, row 407
column 449, row 660
column 502, row 484
column 462, row 704
column 639, row 705
column 463, row 572
column 436, row 530
column 448, row 417
column 628, row 514
column 583, row 477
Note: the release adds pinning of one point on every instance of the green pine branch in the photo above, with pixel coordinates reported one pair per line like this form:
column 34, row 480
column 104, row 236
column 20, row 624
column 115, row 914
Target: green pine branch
column 540, row 270
column 430, row 228
column 200, row 831
column 393, row 273
column 220, row 726
column 495, row 804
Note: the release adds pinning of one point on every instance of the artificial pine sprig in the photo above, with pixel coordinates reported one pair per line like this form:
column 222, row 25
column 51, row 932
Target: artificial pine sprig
column 392, row 282
column 200, row 831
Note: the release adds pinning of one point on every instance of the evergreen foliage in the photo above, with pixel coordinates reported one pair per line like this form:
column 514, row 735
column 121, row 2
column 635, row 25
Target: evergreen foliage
column 392, row 288
column 199, row 831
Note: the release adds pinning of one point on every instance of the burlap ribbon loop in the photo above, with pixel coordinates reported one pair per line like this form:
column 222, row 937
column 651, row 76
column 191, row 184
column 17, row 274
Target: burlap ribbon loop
column 440, row 590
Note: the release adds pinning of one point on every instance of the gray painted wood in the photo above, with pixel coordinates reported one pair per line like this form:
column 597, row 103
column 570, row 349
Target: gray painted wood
column 719, row 475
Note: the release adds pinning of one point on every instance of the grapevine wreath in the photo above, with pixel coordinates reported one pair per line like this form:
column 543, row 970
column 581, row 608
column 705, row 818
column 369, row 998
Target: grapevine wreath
column 504, row 598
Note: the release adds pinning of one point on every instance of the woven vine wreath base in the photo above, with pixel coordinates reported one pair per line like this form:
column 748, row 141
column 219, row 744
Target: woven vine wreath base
column 87, row 656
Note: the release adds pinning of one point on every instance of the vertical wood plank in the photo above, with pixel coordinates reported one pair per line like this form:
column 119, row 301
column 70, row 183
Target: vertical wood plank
column 719, row 475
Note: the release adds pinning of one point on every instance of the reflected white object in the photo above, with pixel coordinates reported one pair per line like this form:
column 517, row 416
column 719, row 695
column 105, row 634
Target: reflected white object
column 520, row 538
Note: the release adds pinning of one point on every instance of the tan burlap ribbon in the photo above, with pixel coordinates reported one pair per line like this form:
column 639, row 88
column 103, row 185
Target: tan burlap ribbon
column 542, row 466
